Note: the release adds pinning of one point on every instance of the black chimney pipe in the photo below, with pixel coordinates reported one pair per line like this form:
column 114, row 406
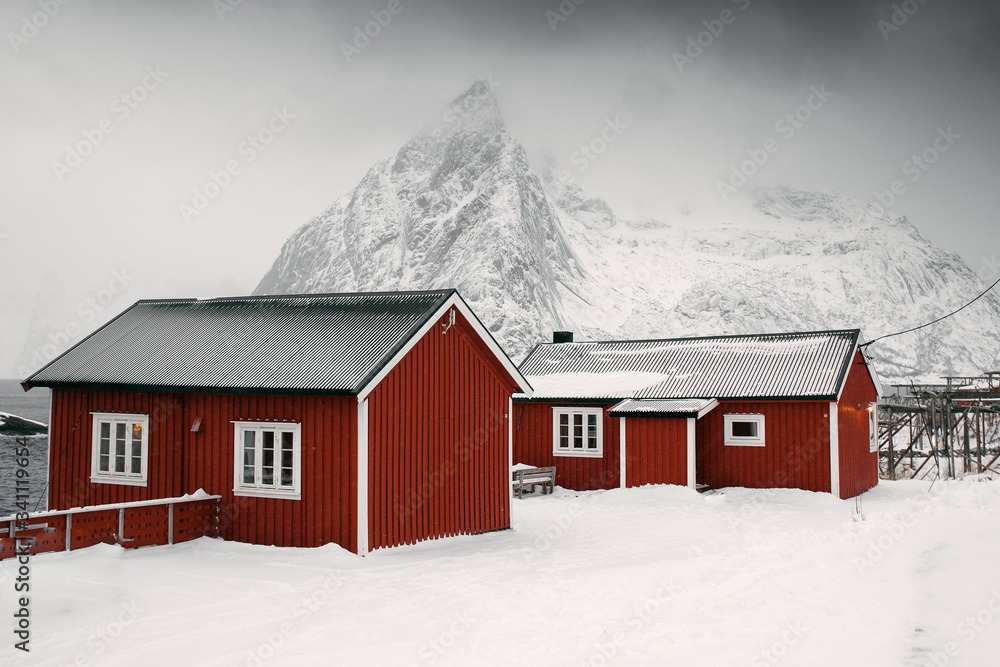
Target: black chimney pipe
column 562, row 336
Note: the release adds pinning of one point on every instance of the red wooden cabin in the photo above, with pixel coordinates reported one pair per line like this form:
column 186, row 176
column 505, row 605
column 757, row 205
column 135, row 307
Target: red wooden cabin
column 369, row 420
column 791, row 410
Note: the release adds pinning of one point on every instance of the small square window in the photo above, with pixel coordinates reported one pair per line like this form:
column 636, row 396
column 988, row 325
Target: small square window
column 743, row 430
column 577, row 432
column 120, row 449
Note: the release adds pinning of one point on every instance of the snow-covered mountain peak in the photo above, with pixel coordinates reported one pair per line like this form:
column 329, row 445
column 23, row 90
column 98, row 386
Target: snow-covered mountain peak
column 459, row 206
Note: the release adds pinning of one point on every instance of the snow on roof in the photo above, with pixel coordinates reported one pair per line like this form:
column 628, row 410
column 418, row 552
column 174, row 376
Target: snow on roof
column 696, row 407
column 788, row 365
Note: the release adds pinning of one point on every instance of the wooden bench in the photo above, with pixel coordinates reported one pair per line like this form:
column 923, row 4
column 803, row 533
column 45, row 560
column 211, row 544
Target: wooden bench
column 532, row 477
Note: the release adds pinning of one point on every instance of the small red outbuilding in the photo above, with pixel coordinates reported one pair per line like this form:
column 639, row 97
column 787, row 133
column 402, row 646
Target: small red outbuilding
column 789, row 410
column 369, row 420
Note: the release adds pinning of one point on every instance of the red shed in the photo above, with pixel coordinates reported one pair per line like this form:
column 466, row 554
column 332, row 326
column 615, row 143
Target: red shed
column 369, row 420
column 793, row 410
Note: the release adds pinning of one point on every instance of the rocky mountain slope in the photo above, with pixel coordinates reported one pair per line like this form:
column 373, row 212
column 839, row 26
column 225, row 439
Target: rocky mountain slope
column 460, row 206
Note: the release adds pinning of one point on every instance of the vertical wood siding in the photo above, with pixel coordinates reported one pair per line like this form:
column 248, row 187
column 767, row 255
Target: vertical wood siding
column 438, row 441
column 858, row 466
column 182, row 462
column 796, row 453
column 533, row 446
column 655, row 451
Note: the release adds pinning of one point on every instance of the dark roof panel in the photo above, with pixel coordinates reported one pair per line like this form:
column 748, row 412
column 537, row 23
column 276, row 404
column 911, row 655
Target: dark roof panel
column 325, row 342
column 809, row 365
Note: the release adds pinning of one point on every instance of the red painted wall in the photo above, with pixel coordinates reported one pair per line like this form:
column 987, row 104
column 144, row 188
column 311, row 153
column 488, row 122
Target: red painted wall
column 796, row 452
column 438, row 441
column 182, row 462
column 533, row 446
column 655, row 451
column 858, row 466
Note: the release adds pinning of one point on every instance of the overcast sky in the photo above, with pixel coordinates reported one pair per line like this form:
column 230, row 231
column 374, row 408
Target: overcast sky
column 158, row 95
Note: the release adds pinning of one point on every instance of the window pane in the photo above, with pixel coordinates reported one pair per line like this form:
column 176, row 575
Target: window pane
column 745, row 429
column 104, row 450
column 249, row 452
column 286, row 458
column 577, row 431
column 267, row 458
column 591, row 431
column 136, row 463
column 564, row 430
column 119, row 447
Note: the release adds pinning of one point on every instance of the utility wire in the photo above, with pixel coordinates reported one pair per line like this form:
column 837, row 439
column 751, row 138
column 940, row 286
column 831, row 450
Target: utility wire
column 900, row 333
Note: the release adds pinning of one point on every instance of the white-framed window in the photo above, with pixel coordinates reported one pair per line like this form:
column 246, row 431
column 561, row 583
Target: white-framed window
column 872, row 427
column 743, row 430
column 268, row 460
column 578, row 431
column 120, row 451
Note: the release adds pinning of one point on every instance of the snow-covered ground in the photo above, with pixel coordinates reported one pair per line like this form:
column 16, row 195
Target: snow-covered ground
column 649, row 576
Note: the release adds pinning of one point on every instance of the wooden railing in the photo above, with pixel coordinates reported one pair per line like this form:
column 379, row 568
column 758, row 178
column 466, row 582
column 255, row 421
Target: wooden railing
column 135, row 524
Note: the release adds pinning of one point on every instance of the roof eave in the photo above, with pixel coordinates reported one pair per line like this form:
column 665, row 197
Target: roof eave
column 195, row 389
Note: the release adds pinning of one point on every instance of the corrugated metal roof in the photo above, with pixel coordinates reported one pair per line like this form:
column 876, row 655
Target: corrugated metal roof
column 676, row 407
column 327, row 342
column 780, row 366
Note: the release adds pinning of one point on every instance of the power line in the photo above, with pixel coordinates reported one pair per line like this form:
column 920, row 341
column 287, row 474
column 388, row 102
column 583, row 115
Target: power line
column 900, row 333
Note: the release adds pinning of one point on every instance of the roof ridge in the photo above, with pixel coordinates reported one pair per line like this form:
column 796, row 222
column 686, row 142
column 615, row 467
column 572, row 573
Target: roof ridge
column 774, row 334
column 305, row 295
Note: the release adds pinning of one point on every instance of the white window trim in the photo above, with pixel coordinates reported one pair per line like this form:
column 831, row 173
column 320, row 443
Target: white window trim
column 98, row 476
column 738, row 440
column 872, row 428
column 242, row 489
column 580, row 453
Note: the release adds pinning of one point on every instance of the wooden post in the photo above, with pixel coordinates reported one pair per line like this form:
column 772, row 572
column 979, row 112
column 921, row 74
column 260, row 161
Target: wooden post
column 979, row 440
column 69, row 530
column 170, row 523
column 965, row 441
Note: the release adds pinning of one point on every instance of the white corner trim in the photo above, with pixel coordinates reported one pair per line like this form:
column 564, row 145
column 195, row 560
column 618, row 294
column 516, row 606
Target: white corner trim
column 622, row 466
column 48, row 456
column 510, row 460
column 834, row 451
column 363, row 542
column 691, row 438
column 454, row 301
